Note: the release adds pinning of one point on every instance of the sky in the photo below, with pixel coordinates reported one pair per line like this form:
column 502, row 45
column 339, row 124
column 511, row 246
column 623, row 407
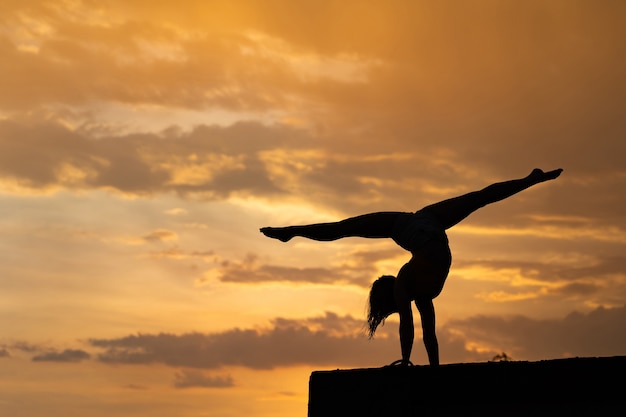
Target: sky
column 144, row 143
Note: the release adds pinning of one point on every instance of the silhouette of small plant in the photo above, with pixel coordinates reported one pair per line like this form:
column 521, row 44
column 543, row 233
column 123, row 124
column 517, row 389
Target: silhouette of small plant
column 501, row 357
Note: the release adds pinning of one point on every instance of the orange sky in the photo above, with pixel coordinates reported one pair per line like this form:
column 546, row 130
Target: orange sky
column 143, row 144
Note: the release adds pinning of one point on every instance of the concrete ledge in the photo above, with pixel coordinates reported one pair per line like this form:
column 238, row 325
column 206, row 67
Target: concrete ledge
column 562, row 387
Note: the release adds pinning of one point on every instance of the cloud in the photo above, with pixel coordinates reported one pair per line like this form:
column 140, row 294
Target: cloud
column 249, row 271
column 286, row 343
column 480, row 91
column 177, row 253
column 50, row 156
column 588, row 277
column 597, row 333
column 339, row 341
column 193, row 378
column 178, row 211
column 168, row 59
column 25, row 347
column 68, row 355
column 243, row 273
column 136, row 387
column 600, row 266
column 250, row 159
column 359, row 268
column 4, row 353
column 160, row 235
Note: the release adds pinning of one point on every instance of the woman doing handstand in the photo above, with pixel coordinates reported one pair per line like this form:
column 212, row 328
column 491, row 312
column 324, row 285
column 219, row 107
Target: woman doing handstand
column 423, row 234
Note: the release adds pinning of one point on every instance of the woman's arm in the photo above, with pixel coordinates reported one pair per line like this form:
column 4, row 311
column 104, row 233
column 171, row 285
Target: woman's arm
column 427, row 313
column 406, row 331
column 403, row 304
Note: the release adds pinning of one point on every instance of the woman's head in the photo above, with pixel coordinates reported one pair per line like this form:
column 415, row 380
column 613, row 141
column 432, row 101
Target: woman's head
column 382, row 302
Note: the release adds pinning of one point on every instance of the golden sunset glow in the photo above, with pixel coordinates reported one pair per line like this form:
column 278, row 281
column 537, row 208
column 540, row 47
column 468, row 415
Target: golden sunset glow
column 143, row 144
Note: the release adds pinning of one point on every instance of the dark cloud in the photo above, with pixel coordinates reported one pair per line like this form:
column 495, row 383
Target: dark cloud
column 333, row 340
column 597, row 333
column 338, row 341
column 4, row 353
column 286, row 343
column 578, row 289
column 68, row 355
column 25, row 347
column 194, row 378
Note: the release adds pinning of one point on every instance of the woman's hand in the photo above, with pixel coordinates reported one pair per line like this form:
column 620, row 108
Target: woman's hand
column 401, row 362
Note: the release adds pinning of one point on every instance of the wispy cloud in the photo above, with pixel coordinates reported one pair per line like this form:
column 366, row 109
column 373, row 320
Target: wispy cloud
column 194, row 378
column 160, row 235
column 252, row 271
column 67, row 355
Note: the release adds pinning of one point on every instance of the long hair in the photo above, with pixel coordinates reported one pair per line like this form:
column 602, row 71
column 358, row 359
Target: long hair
column 382, row 302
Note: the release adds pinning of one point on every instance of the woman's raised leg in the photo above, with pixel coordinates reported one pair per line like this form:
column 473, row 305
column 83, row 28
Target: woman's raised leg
column 372, row 225
column 452, row 211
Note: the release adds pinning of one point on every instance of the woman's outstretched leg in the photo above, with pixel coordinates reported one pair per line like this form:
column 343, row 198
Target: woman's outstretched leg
column 452, row 211
column 373, row 225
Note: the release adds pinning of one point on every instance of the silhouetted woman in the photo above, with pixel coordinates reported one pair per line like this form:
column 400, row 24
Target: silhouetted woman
column 423, row 234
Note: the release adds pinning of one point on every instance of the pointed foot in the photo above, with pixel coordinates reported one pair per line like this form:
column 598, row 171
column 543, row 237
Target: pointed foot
column 279, row 233
column 539, row 175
